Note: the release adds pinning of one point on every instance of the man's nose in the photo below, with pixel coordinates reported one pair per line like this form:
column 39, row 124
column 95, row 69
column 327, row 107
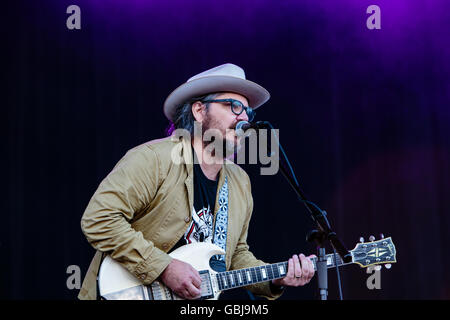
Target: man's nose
column 242, row 117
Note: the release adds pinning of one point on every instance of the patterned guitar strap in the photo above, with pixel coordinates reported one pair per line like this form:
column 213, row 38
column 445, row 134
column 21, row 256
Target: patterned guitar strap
column 220, row 232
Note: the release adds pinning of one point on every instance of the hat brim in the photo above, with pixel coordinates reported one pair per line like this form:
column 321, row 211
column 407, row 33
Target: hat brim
column 255, row 94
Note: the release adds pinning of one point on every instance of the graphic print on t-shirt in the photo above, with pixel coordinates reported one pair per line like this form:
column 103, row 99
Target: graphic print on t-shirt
column 200, row 229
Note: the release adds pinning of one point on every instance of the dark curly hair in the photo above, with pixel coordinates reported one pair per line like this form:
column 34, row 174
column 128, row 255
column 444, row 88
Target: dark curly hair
column 184, row 119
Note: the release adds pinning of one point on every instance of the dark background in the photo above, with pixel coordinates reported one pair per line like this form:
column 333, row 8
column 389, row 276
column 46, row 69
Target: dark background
column 363, row 115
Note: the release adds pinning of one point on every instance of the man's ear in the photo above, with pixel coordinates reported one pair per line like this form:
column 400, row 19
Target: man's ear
column 198, row 111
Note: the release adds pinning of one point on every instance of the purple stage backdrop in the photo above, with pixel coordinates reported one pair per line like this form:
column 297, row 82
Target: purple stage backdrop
column 364, row 115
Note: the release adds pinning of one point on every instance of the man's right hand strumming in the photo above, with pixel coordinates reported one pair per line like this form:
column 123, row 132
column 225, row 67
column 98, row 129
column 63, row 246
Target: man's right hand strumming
column 183, row 279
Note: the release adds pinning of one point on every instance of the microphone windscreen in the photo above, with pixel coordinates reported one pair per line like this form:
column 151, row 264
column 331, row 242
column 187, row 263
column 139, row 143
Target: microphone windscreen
column 241, row 126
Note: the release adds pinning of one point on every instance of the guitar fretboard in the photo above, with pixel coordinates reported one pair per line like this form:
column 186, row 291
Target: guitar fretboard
column 244, row 277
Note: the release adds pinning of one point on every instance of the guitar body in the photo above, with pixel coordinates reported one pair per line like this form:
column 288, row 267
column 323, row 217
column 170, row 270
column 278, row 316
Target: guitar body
column 116, row 283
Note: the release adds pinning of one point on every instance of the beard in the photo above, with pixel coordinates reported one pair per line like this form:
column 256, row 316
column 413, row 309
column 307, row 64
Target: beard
column 219, row 145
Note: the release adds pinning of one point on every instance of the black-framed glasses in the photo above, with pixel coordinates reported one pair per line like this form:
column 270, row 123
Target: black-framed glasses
column 236, row 107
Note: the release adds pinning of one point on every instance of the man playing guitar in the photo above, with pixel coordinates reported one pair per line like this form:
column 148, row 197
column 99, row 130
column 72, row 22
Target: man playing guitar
column 151, row 203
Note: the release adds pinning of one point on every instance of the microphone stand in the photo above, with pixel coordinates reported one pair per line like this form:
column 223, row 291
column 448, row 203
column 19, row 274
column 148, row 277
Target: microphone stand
column 319, row 236
column 319, row 216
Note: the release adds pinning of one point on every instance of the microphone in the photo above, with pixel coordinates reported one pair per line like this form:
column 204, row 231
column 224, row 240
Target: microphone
column 243, row 126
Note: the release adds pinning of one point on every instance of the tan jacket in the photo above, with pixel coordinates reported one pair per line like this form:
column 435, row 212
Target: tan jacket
column 143, row 207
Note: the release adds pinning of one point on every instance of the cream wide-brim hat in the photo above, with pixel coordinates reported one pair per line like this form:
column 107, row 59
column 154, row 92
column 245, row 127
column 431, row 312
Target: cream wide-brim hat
column 224, row 78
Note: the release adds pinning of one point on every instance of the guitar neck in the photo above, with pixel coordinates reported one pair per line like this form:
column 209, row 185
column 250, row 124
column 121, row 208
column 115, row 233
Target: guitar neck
column 244, row 277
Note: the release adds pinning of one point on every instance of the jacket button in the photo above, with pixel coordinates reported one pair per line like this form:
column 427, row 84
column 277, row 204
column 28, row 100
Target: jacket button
column 187, row 219
column 142, row 277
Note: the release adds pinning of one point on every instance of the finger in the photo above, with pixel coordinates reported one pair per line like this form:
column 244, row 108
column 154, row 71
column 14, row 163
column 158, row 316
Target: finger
column 183, row 293
column 186, row 294
column 311, row 263
column 195, row 275
column 311, row 258
column 306, row 267
column 303, row 264
column 193, row 291
column 290, row 272
column 311, row 266
column 197, row 282
column 298, row 267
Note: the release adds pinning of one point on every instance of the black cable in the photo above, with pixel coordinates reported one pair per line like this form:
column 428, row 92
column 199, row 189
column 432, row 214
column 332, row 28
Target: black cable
column 338, row 275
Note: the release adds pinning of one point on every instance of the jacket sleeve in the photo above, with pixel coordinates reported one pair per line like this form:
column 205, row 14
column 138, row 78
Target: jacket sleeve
column 244, row 258
column 124, row 194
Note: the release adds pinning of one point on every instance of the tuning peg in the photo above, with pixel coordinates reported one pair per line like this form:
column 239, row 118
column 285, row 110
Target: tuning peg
column 372, row 238
column 388, row 266
column 361, row 239
column 381, row 236
column 377, row 268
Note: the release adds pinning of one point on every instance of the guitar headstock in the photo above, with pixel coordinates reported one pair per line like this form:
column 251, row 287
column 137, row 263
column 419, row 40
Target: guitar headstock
column 374, row 252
